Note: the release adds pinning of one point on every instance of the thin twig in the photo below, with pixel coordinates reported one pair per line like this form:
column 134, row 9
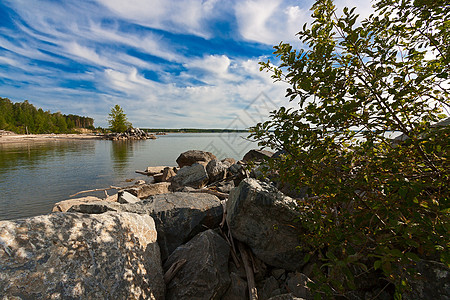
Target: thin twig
column 253, row 293
column 98, row 190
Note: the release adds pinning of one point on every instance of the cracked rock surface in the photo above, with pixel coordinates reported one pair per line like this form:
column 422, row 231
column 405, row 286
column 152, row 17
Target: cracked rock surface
column 70, row 255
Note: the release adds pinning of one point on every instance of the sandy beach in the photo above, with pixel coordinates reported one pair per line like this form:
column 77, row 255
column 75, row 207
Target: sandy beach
column 21, row 138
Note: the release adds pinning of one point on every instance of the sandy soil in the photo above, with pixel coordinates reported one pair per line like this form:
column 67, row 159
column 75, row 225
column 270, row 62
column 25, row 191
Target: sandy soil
column 20, row 138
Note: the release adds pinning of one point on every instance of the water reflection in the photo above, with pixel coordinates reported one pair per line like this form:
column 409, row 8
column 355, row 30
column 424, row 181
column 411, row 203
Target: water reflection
column 31, row 155
column 121, row 152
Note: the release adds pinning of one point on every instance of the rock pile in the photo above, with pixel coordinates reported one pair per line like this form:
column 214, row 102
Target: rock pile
column 175, row 239
column 130, row 134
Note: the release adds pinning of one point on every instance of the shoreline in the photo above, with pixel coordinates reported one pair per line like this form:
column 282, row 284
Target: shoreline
column 21, row 138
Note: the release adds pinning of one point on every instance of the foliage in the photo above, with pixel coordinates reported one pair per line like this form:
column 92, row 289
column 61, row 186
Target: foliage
column 374, row 204
column 23, row 117
column 118, row 120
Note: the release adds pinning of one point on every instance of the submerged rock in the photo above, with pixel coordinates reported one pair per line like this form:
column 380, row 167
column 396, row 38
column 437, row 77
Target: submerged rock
column 69, row 255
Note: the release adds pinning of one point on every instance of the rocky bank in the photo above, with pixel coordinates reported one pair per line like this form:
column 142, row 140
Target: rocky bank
column 203, row 230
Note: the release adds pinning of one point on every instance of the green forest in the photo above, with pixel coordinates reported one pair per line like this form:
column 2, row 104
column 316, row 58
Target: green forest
column 24, row 117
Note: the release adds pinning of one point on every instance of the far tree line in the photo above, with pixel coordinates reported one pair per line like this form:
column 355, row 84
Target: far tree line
column 24, row 117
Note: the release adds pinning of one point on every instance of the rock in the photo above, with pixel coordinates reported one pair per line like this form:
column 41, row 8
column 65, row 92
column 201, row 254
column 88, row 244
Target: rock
column 225, row 186
column 205, row 273
column 194, row 176
column 158, row 177
column 237, row 290
column 65, row 205
column 168, row 173
column 155, row 170
column 262, row 217
column 431, row 281
column 125, row 197
column 297, row 285
column 216, row 170
column 178, row 216
column 96, row 207
column 74, row 256
column 270, row 285
column 228, row 161
column 147, row 190
column 257, row 155
column 138, row 182
column 191, row 157
column 239, row 173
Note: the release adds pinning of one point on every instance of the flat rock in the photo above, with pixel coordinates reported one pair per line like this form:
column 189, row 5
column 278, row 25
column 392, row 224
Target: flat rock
column 191, row 157
column 205, row 273
column 146, row 190
column 154, row 170
column 75, row 256
column 65, row 205
column 262, row 217
column 125, row 197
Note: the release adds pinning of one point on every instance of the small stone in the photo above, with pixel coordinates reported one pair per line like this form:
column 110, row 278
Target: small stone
column 168, row 173
column 125, row 197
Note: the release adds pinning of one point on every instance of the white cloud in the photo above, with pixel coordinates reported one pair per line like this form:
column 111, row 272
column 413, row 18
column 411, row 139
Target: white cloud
column 184, row 16
column 269, row 21
column 273, row 21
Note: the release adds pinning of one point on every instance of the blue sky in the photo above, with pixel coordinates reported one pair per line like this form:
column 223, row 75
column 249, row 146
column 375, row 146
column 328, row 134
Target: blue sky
column 168, row 63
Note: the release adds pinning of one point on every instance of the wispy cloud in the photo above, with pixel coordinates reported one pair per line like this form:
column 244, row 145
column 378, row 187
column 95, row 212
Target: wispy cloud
column 167, row 63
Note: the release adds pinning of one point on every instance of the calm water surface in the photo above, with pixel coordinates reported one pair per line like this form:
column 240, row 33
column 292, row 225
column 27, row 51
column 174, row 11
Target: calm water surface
column 34, row 176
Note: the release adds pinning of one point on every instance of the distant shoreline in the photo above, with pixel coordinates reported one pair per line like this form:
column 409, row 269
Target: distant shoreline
column 21, row 138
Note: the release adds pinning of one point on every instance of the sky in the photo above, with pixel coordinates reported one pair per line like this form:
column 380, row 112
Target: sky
column 167, row 63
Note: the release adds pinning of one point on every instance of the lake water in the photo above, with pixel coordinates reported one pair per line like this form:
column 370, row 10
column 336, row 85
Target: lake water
column 34, row 176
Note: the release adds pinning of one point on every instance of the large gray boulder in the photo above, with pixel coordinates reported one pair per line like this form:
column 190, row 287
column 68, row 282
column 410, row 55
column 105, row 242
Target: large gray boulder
column 178, row 216
column 262, row 217
column 191, row 157
column 430, row 281
column 193, row 176
column 75, row 256
column 205, row 273
column 238, row 288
